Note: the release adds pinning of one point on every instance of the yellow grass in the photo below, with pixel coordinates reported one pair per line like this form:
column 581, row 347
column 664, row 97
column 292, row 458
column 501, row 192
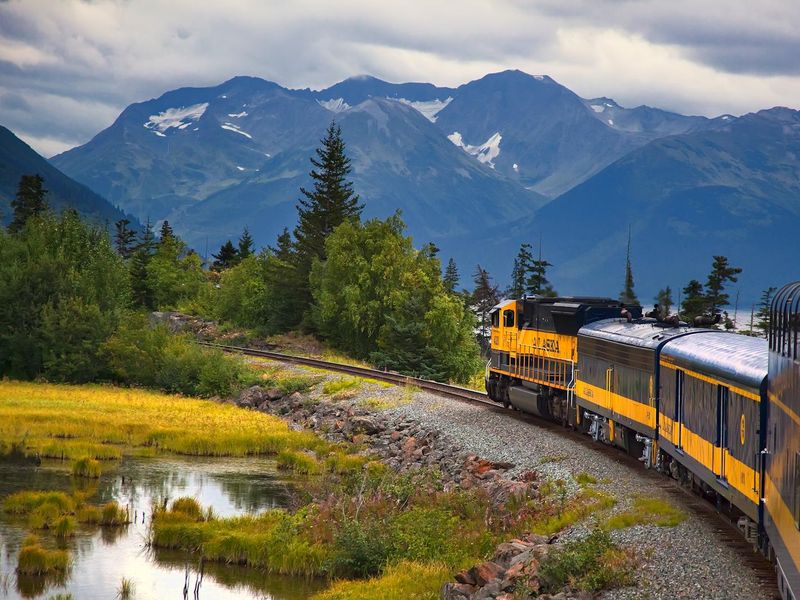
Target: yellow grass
column 405, row 581
column 100, row 422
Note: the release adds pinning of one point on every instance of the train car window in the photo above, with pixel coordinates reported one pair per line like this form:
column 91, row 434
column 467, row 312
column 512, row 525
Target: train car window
column 508, row 318
column 495, row 318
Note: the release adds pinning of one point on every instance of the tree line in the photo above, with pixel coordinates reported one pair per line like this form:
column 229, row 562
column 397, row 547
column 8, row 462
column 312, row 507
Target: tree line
column 359, row 284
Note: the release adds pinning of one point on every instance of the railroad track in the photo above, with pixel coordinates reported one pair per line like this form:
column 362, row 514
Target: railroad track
column 722, row 525
column 452, row 391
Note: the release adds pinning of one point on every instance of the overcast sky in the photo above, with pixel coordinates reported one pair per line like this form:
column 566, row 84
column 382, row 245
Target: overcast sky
column 68, row 68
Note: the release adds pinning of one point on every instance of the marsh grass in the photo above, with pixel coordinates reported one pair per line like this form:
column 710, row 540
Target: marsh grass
column 647, row 511
column 86, row 467
column 407, row 579
column 125, row 589
column 35, row 559
column 64, row 527
column 100, row 422
column 189, row 507
column 299, row 462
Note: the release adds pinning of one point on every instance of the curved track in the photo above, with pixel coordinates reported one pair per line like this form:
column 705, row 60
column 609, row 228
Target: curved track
column 724, row 528
column 452, row 391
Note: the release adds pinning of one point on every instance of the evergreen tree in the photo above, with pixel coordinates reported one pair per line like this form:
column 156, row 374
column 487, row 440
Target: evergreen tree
column 763, row 314
column 320, row 211
column 664, row 301
column 141, row 291
column 451, row 277
column 484, row 298
column 226, row 258
column 29, row 201
column 245, row 244
column 721, row 273
column 330, row 203
column 628, row 295
column 537, row 282
column 124, row 238
column 519, row 274
column 285, row 306
column 166, row 233
column 694, row 301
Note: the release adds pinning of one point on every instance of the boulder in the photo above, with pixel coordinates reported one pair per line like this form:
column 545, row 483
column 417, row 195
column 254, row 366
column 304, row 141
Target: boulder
column 487, row 572
column 366, row 425
column 251, row 397
column 274, row 394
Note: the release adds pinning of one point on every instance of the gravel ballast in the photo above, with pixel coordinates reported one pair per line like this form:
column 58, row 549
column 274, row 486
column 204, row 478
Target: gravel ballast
column 685, row 561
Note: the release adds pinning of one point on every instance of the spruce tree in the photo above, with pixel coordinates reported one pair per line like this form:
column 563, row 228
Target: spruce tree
column 694, row 301
column 628, row 295
column 451, row 277
column 519, row 274
column 763, row 314
column 226, row 258
column 245, row 244
column 166, row 234
column 330, row 203
column 29, row 201
column 721, row 273
column 140, row 287
column 484, row 298
column 124, row 237
column 665, row 301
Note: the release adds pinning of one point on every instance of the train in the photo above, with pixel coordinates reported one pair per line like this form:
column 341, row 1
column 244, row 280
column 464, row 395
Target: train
column 719, row 412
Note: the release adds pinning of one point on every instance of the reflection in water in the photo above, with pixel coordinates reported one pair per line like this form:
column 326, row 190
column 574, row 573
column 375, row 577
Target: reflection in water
column 101, row 557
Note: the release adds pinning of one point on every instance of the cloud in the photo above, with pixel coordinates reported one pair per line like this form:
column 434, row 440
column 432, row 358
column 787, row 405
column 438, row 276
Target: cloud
column 78, row 64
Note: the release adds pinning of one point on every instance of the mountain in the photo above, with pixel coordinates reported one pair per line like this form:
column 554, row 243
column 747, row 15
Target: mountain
column 732, row 190
column 18, row 159
column 400, row 160
column 214, row 159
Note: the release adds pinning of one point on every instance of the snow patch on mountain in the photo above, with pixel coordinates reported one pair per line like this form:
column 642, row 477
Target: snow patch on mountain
column 235, row 128
column 598, row 108
column 335, row 105
column 179, row 118
column 485, row 153
column 428, row 108
column 238, row 115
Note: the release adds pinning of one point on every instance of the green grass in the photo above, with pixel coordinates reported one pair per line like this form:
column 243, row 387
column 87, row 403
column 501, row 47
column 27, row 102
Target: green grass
column 647, row 511
column 299, row 462
column 297, row 383
column 86, row 467
column 341, row 387
column 341, row 462
column 23, row 503
column 34, row 559
column 386, row 402
column 189, row 507
column 585, row 479
column 403, row 581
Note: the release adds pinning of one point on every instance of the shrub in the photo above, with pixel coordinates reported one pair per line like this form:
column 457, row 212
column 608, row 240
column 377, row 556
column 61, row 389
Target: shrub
column 86, row 467
column 138, row 354
column 360, row 549
column 592, row 564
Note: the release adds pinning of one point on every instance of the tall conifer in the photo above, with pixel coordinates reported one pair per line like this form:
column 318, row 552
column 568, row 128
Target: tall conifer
column 628, row 295
column 29, row 201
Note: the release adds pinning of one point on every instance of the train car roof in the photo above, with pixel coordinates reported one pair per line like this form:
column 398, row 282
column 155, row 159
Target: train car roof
column 738, row 358
column 644, row 333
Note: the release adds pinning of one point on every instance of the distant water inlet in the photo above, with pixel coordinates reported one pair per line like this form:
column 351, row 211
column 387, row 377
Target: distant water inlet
column 100, row 557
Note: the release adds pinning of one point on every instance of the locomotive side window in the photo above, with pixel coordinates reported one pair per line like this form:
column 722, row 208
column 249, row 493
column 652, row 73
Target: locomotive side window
column 508, row 318
column 495, row 318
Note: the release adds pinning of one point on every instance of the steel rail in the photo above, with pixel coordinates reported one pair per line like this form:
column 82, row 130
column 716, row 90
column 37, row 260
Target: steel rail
column 444, row 389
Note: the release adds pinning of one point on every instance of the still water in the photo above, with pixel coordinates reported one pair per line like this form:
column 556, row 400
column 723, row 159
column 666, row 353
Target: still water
column 101, row 557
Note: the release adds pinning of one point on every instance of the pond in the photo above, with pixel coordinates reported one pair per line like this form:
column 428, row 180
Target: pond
column 101, row 557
